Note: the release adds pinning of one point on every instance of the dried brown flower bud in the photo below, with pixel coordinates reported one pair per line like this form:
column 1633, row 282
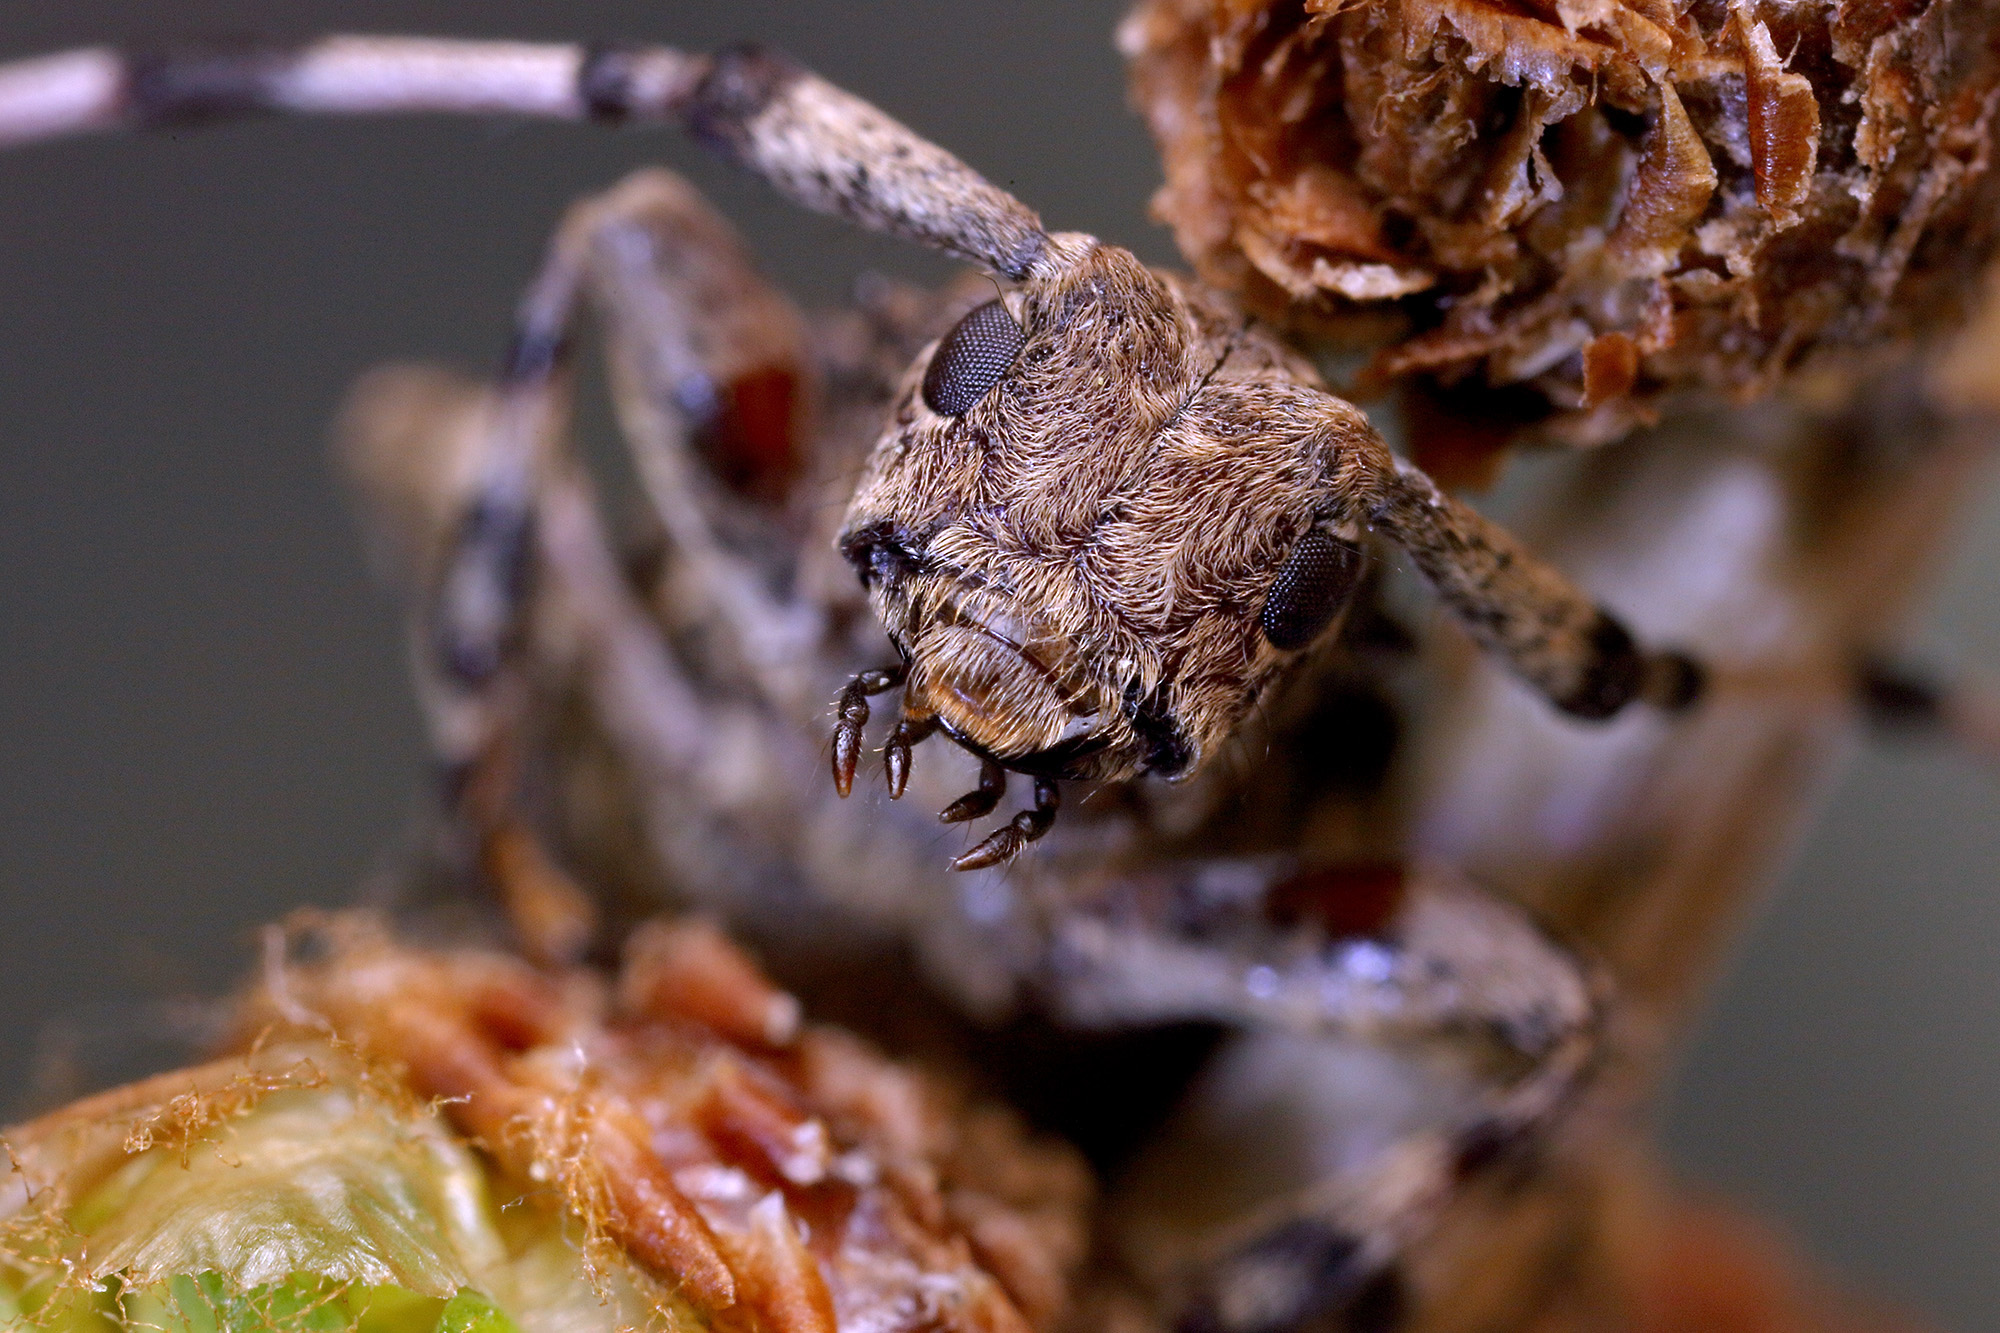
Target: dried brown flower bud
column 1611, row 201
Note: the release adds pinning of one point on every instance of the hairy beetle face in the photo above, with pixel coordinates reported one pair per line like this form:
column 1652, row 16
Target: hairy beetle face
column 1098, row 523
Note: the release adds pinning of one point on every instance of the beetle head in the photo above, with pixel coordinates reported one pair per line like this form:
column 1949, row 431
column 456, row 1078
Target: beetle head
column 1079, row 521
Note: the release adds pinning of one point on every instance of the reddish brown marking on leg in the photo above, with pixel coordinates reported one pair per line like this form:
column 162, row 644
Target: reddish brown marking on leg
column 1460, row 435
column 754, row 444
column 1348, row 899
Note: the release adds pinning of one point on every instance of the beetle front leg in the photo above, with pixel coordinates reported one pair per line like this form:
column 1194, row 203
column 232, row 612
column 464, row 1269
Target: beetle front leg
column 460, row 532
column 492, row 457
column 495, row 527
column 713, row 390
column 714, row 396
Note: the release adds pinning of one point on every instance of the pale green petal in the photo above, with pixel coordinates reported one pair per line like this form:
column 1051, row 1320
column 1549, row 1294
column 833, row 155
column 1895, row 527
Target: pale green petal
column 72, row 1311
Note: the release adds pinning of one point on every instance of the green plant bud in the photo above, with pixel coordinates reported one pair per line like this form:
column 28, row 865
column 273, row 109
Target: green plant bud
column 323, row 1207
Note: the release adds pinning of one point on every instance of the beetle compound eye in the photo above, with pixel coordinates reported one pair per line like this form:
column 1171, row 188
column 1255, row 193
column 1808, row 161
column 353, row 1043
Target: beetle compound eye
column 971, row 359
column 1318, row 578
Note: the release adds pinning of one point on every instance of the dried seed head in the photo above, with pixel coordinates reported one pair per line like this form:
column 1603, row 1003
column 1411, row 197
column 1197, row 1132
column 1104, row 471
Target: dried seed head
column 1613, row 205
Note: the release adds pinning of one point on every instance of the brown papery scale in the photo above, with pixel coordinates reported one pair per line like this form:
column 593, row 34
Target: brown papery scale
column 1613, row 206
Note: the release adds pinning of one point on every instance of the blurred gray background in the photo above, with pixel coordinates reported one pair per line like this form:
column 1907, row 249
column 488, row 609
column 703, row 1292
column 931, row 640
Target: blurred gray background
column 204, row 718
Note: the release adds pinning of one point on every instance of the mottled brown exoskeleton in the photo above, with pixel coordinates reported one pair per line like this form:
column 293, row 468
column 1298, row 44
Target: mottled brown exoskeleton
column 1106, row 514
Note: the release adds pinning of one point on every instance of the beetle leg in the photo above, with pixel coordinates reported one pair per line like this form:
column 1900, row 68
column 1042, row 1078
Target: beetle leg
column 714, row 396
column 1472, row 1029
